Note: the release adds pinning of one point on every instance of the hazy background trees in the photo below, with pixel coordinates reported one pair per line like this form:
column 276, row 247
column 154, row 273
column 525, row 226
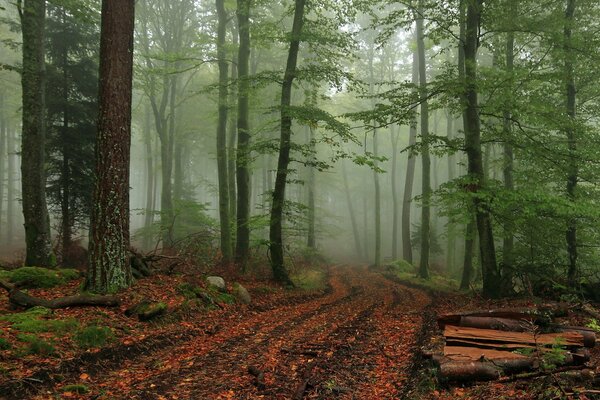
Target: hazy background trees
column 460, row 136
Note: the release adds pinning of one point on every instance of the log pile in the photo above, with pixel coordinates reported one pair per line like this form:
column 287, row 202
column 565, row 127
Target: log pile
column 487, row 345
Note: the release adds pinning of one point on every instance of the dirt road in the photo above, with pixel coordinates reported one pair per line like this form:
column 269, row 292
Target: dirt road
column 355, row 341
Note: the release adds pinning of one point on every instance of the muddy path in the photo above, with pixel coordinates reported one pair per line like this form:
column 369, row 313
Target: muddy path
column 354, row 342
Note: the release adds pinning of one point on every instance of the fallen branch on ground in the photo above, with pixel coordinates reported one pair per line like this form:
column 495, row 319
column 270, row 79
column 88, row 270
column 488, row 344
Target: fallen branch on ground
column 22, row 299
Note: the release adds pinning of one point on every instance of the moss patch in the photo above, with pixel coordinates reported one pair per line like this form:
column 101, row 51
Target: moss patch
column 36, row 345
column 36, row 277
column 78, row 388
column 32, row 321
column 93, row 336
column 4, row 344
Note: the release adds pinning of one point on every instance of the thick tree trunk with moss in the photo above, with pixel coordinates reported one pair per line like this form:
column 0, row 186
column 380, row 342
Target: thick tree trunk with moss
column 225, row 223
column 285, row 141
column 33, row 174
column 242, row 244
column 311, row 240
column 451, row 227
column 394, row 177
column 10, row 184
column 426, row 162
column 467, row 273
column 572, row 167
column 232, row 135
column 109, row 266
column 491, row 283
column 410, row 175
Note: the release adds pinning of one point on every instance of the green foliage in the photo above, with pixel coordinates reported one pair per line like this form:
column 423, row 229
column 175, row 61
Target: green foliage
column 555, row 356
column 37, row 277
column 93, row 336
column 189, row 291
column 77, row 388
column 5, row 344
column 32, row 321
column 401, row 266
column 593, row 324
column 434, row 239
column 36, row 345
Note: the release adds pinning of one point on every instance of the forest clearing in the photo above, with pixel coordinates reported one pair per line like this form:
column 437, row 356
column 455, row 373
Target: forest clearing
column 299, row 199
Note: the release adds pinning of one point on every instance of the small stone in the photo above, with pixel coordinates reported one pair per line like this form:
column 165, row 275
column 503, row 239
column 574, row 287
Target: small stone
column 241, row 294
column 217, row 282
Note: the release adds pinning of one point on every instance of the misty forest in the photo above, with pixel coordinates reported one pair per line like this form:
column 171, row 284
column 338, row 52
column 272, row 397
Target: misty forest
column 299, row 199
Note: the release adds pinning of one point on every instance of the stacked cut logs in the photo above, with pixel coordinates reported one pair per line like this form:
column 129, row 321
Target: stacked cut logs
column 485, row 345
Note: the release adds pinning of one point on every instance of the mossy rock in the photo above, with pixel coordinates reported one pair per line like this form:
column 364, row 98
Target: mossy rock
column 37, row 277
column 32, row 321
column 147, row 310
column 189, row 290
column 5, row 344
column 241, row 294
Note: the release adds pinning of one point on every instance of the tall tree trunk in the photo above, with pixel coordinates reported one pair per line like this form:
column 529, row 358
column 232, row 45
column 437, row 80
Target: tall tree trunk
column 275, row 233
column 426, row 162
column 225, row 222
column 109, row 268
column 353, row 221
column 573, row 169
column 178, row 146
column 311, row 237
column 10, row 185
column 410, row 175
column 150, row 177
column 33, row 175
column 242, row 245
column 490, row 276
column 232, row 135
column 65, row 206
column 508, row 158
column 377, row 208
column 451, row 227
column 467, row 273
column 394, row 176
column 3, row 157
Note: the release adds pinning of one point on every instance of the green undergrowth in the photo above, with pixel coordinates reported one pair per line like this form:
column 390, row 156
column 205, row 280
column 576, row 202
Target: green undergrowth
column 36, row 345
column 310, row 279
column 406, row 272
column 93, row 336
column 77, row 388
column 33, row 321
column 206, row 295
column 37, row 277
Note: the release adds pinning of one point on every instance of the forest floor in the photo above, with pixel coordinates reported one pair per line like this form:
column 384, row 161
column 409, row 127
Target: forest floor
column 359, row 337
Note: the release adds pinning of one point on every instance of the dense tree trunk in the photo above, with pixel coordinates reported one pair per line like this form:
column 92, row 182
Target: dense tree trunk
column 508, row 161
column 410, row 175
column 33, row 175
column 109, row 266
column 311, row 241
column 377, row 199
column 394, row 177
column 426, row 162
column 225, row 223
column 490, row 276
column 573, row 169
column 357, row 242
column 242, row 245
column 275, row 233
column 65, row 201
column 467, row 273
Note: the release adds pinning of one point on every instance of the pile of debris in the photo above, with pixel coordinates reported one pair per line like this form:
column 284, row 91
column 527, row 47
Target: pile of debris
column 485, row 345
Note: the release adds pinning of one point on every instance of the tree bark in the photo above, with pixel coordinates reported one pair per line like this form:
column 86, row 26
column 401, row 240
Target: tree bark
column 394, row 177
column 451, row 227
column 225, row 223
column 33, row 175
column 410, row 175
column 275, row 233
column 377, row 191
column 109, row 267
column 476, row 172
column 311, row 241
column 425, row 159
column 242, row 245
column 573, row 169
column 232, row 137
column 10, row 185
column 149, row 216
column 357, row 244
